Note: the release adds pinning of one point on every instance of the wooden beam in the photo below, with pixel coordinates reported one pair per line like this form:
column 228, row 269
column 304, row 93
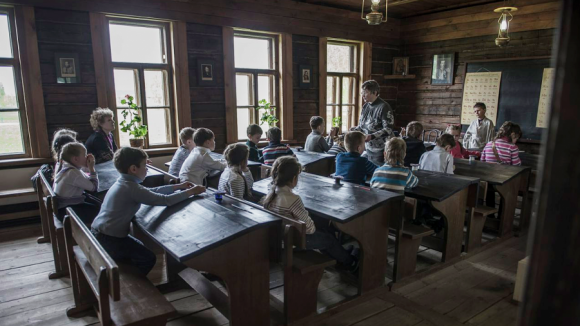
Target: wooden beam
column 230, row 85
column 181, row 75
column 322, row 46
column 97, row 21
column 287, row 122
column 552, row 284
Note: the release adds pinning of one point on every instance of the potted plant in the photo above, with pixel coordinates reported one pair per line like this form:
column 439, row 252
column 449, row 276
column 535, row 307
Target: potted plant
column 269, row 115
column 337, row 123
column 133, row 125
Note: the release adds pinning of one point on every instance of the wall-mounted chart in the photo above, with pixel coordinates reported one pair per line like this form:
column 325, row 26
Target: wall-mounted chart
column 480, row 87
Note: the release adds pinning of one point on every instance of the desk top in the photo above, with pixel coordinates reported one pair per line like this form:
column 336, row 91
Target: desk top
column 340, row 203
column 218, row 156
column 200, row 223
column 437, row 186
column 108, row 174
column 306, row 158
column 496, row 174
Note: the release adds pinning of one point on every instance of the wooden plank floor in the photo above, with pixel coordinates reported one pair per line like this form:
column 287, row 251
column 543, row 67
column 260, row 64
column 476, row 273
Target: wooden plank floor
column 474, row 291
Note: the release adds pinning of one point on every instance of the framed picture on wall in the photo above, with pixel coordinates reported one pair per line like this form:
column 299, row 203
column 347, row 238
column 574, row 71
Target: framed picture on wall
column 305, row 76
column 67, row 68
column 206, row 72
column 442, row 73
column 401, row 66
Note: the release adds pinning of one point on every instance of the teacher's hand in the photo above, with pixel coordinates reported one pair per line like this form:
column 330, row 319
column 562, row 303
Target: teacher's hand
column 368, row 138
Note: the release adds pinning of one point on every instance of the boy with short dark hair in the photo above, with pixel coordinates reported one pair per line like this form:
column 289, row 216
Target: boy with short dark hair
column 275, row 148
column 439, row 159
column 415, row 146
column 198, row 164
column 315, row 142
column 123, row 200
column 187, row 145
column 481, row 130
column 352, row 166
column 254, row 133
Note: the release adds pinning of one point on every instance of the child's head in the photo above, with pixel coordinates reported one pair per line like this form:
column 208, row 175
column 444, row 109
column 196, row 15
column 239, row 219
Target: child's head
column 414, row 129
column 274, row 134
column 512, row 131
column 317, row 124
column 75, row 154
column 285, row 172
column 479, row 109
column 354, row 142
column 236, row 154
column 254, row 133
column 61, row 138
column 186, row 137
column 454, row 130
column 133, row 161
column 395, row 151
column 205, row 138
column 446, row 141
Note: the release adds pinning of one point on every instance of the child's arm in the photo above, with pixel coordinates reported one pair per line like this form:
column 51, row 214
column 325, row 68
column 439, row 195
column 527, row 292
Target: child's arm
column 325, row 144
column 370, row 167
column 449, row 168
column 210, row 163
column 249, row 178
column 90, row 183
column 412, row 180
column 515, row 156
column 160, row 196
column 300, row 213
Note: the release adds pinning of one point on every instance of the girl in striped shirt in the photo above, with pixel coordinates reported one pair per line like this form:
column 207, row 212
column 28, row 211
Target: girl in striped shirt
column 283, row 201
column 393, row 175
column 503, row 149
column 237, row 180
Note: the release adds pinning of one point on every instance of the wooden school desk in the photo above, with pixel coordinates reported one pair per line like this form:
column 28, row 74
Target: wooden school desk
column 316, row 163
column 505, row 179
column 229, row 239
column 358, row 211
column 449, row 194
column 108, row 174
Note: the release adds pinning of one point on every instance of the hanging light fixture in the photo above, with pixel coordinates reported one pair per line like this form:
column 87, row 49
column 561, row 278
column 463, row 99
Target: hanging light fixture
column 503, row 37
column 374, row 17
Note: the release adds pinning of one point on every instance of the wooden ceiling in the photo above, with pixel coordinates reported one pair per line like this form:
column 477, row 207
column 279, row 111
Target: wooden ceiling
column 403, row 8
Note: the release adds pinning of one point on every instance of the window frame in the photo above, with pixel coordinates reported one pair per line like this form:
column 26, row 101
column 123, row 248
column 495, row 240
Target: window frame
column 274, row 72
column 355, row 74
column 14, row 62
column 168, row 52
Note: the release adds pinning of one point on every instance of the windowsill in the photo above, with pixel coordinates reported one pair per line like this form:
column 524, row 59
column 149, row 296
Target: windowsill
column 23, row 162
column 155, row 152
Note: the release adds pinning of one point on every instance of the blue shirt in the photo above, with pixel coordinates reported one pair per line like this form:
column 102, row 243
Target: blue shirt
column 180, row 156
column 353, row 167
column 123, row 201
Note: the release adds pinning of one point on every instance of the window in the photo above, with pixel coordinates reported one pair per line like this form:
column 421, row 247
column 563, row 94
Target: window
column 256, row 66
column 342, row 80
column 140, row 60
column 13, row 133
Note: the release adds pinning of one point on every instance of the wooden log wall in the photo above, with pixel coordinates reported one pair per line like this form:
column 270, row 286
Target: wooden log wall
column 382, row 64
column 305, row 52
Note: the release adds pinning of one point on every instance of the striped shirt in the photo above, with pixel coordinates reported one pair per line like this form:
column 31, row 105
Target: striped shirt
column 336, row 149
column 287, row 203
column 353, row 167
column 508, row 153
column 274, row 150
column 235, row 182
column 394, row 178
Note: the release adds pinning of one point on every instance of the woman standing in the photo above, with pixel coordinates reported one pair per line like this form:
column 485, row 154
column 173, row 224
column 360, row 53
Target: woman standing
column 101, row 143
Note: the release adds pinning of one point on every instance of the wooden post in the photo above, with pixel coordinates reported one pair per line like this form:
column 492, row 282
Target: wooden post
column 552, row 285
column 287, row 118
column 230, row 86
column 322, row 43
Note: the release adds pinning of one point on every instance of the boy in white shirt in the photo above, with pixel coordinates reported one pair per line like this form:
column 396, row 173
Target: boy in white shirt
column 198, row 164
column 439, row 159
column 480, row 131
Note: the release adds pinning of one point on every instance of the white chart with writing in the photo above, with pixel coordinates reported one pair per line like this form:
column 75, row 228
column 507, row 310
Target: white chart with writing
column 480, row 87
column 545, row 98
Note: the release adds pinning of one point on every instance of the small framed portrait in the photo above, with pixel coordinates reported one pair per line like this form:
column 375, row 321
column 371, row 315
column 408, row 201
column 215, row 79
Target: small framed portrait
column 67, row 68
column 305, row 76
column 401, row 66
column 443, row 66
column 206, row 72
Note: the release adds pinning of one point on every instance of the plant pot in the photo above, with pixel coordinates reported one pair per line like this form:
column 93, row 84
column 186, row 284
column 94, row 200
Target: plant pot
column 137, row 143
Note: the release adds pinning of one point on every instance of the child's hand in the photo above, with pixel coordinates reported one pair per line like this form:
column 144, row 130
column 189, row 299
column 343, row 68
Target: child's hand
column 195, row 190
column 184, row 185
column 403, row 132
column 333, row 131
column 91, row 162
column 149, row 162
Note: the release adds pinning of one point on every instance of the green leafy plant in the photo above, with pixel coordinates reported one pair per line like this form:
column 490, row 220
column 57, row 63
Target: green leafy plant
column 269, row 115
column 134, row 125
column 337, row 122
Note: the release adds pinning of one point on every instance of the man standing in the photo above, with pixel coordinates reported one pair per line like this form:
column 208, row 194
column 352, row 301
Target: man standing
column 376, row 122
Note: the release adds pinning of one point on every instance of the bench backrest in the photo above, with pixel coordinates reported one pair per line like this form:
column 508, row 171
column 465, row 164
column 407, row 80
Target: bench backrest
column 51, row 199
column 265, row 171
column 483, row 190
column 101, row 263
column 167, row 178
column 409, row 211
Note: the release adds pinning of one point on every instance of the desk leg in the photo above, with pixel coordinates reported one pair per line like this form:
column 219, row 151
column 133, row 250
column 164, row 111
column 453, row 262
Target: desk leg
column 244, row 267
column 526, row 201
column 509, row 198
column 474, row 223
column 453, row 210
column 371, row 231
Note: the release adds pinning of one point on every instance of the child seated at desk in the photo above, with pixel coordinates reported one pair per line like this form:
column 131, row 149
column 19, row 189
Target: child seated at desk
column 181, row 154
column 439, row 159
column 338, row 146
column 254, row 133
column 123, row 200
column 352, row 166
column 275, row 148
column 198, row 164
column 415, row 146
column 393, row 175
column 70, row 183
column 283, row 201
column 481, row 130
column 459, row 151
column 237, row 179
column 315, row 142
column 504, row 149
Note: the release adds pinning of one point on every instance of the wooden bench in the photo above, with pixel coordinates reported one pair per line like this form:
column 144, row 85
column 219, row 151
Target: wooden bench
column 41, row 196
column 408, row 239
column 481, row 213
column 120, row 294
column 265, row 171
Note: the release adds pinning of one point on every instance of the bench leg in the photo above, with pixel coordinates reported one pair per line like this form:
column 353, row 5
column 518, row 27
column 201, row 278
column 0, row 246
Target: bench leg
column 300, row 294
column 509, row 198
column 408, row 257
column 61, row 265
column 475, row 231
column 453, row 210
column 84, row 297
